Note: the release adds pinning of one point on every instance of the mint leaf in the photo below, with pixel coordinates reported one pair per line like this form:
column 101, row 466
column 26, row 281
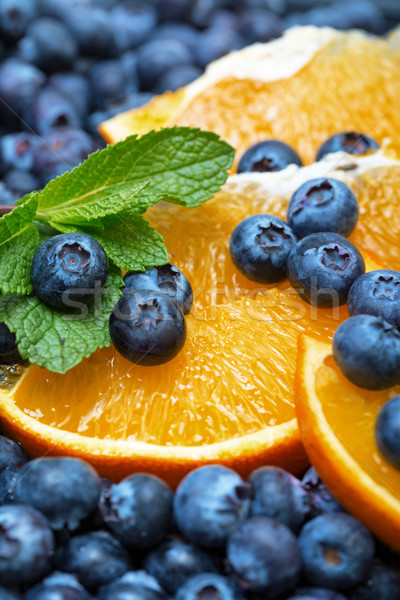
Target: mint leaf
column 19, row 219
column 15, row 261
column 55, row 340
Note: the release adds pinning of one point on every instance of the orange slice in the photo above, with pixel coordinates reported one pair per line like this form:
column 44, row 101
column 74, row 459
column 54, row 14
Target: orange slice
column 301, row 89
column 337, row 420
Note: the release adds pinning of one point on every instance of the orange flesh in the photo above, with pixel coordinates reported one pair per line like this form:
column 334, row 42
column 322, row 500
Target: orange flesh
column 351, row 413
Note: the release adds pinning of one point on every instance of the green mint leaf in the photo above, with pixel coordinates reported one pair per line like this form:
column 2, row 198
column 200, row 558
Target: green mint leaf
column 19, row 219
column 55, row 340
column 15, row 261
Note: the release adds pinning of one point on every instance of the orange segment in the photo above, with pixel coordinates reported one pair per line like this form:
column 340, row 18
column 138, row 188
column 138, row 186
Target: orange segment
column 336, row 420
column 300, row 89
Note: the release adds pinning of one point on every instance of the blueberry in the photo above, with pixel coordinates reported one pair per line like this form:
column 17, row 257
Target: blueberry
column 95, row 558
column 52, row 109
column 259, row 25
column 319, row 498
column 322, row 204
column 93, row 30
column 209, row 503
column 176, row 30
column 7, row 196
column 15, row 16
column 279, row 496
column 383, row 582
column 156, row 56
column 58, row 586
column 337, row 551
column 376, row 293
column 168, row 10
column 265, row 557
column 12, row 454
column 67, row 270
column 260, row 247
column 17, row 151
column 26, row 545
column 210, row 586
column 323, row 266
column 147, row 327
column 134, row 585
column 20, row 82
column 361, row 14
column 8, row 482
column 138, row 510
column 21, row 182
column 387, row 429
column 8, row 594
column 61, row 146
column 48, row 45
column 367, row 351
column 177, row 77
column 129, row 61
column 311, row 593
column 352, row 142
column 64, row 489
column 174, row 562
column 214, row 44
column 8, row 347
column 75, row 87
column 166, row 279
column 133, row 23
column 109, row 81
column 270, row 155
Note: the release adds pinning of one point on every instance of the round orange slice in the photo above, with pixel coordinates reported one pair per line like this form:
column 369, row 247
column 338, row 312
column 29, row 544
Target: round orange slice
column 337, row 420
column 301, row 89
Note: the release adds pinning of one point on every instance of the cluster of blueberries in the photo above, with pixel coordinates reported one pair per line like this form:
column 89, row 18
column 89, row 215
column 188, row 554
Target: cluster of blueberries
column 327, row 270
column 67, row 65
column 66, row 534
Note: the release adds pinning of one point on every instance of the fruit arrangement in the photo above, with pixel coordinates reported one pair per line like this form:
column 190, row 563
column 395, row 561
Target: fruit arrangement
column 163, row 357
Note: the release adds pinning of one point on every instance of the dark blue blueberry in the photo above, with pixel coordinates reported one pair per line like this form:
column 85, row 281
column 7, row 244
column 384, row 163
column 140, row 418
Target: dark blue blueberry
column 323, row 266
column 322, row 204
column 259, row 25
column 279, row 496
column 52, row 109
column 157, row 56
column 137, row 510
column 352, row 142
column 7, row 196
column 65, row 490
column 209, row 586
column 93, row 30
column 135, row 585
column 387, row 431
column 11, row 454
column 169, row 10
column 20, row 83
column 75, row 87
column 133, row 23
column 17, row 151
column 48, row 45
column 8, row 594
column 177, row 77
column 270, row 155
column 96, row 559
column 15, row 16
column 58, row 586
column 8, row 481
column 68, row 269
column 166, row 279
column 265, row 557
column 8, row 347
column 202, row 12
column 147, row 327
column 213, row 44
column 367, row 351
column 337, row 551
column 109, row 82
column 311, row 593
column 383, row 582
column 319, row 499
column 129, row 61
column 176, row 30
column 21, row 182
column 26, row 545
column 260, row 247
column 61, row 146
column 175, row 562
column 209, row 503
column 376, row 293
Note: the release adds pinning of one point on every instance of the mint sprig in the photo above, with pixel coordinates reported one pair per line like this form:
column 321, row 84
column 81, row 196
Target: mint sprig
column 105, row 197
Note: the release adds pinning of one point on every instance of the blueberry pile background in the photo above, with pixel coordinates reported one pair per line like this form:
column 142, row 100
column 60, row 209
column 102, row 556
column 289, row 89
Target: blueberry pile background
column 67, row 65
